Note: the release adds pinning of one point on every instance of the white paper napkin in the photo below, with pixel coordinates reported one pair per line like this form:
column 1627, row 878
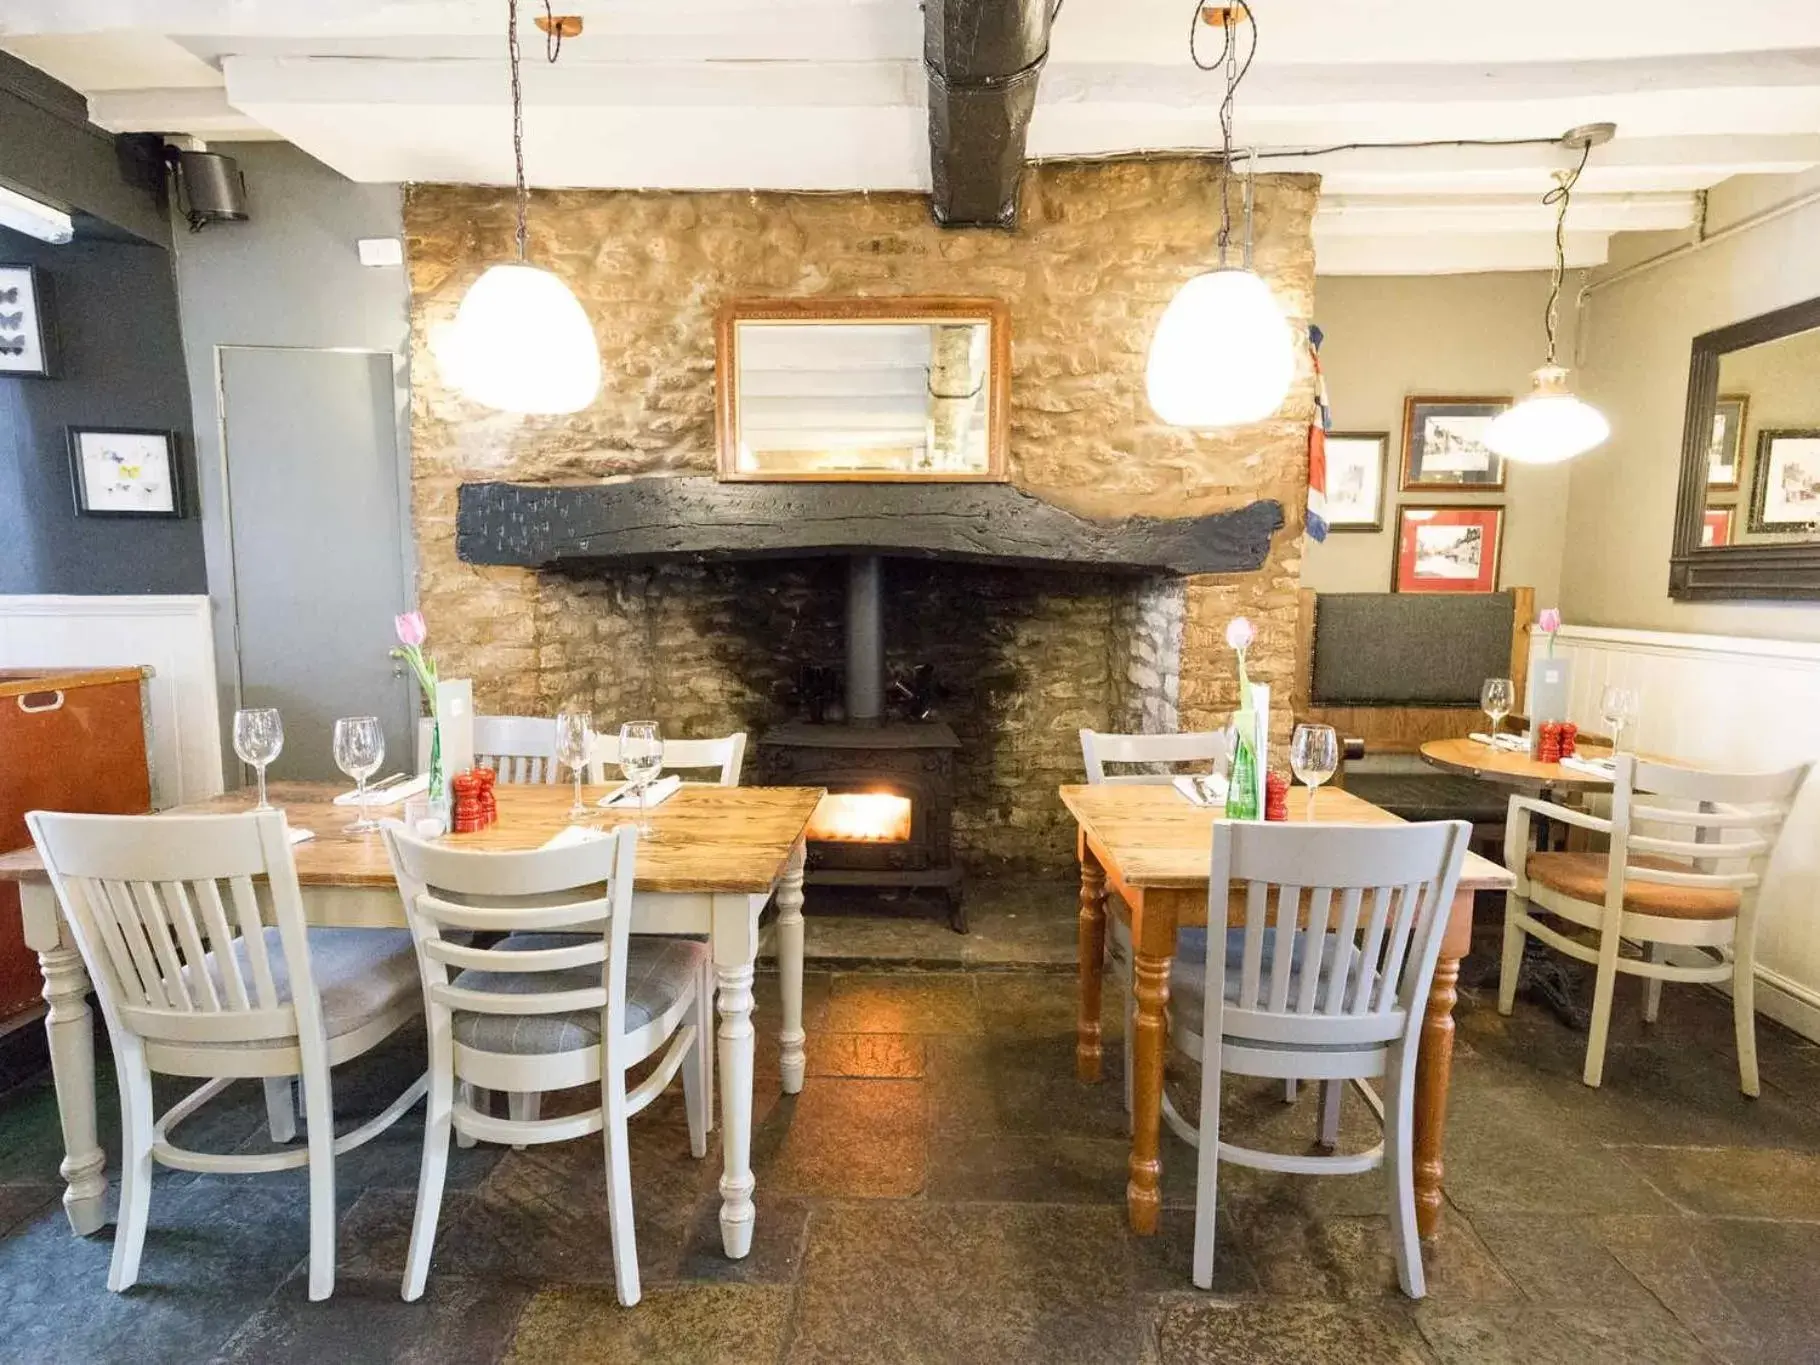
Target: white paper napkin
column 395, row 795
column 655, row 795
column 1202, row 789
column 1512, row 742
column 301, row 836
column 1598, row 767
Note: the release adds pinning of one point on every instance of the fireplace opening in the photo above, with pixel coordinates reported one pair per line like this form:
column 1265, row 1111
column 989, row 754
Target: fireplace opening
column 862, row 817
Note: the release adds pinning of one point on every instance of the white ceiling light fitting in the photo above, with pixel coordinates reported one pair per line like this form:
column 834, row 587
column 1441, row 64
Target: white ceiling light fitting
column 521, row 341
column 1223, row 353
column 1551, row 425
column 35, row 218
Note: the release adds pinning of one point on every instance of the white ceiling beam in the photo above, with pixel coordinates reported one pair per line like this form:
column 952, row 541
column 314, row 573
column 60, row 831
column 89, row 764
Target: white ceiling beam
column 201, row 111
column 1450, row 254
column 1354, row 215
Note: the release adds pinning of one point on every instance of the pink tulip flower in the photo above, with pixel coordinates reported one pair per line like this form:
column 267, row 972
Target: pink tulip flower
column 410, row 627
column 1550, row 619
column 1240, row 633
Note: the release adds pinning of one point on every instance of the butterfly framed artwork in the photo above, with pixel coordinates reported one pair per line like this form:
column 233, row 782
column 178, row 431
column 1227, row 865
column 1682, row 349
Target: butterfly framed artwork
column 26, row 337
column 125, row 472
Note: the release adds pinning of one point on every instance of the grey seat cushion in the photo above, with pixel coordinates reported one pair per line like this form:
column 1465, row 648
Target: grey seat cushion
column 1433, row 796
column 658, row 972
column 360, row 974
column 1187, row 975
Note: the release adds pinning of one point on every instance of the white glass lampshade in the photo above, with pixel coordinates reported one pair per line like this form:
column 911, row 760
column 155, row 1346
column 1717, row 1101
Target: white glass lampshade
column 1222, row 355
column 522, row 343
column 1549, row 426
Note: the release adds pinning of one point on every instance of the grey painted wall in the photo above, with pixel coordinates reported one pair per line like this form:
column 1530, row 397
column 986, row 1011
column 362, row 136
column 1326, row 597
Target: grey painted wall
column 114, row 306
column 289, row 277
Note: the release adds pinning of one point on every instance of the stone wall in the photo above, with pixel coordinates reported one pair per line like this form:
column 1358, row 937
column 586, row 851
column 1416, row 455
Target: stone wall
column 1029, row 658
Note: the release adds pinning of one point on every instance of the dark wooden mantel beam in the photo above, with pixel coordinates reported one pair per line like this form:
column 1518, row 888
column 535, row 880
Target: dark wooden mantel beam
column 650, row 519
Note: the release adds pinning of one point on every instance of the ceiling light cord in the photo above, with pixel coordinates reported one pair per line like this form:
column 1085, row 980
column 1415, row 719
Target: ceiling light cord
column 518, row 125
column 1235, row 72
column 1559, row 198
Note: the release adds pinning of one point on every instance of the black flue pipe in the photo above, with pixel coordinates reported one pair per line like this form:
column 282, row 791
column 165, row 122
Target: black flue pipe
column 982, row 59
column 865, row 641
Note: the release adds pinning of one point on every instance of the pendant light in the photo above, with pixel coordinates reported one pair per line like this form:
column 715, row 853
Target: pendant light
column 1223, row 353
column 521, row 342
column 1551, row 425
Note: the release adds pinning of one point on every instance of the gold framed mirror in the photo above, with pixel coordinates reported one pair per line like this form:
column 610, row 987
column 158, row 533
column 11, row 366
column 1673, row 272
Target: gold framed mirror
column 898, row 390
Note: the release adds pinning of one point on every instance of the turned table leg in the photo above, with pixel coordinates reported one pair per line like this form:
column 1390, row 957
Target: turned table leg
column 1087, row 1043
column 790, row 970
column 1150, row 1041
column 1434, row 1067
column 735, row 943
column 71, row 1030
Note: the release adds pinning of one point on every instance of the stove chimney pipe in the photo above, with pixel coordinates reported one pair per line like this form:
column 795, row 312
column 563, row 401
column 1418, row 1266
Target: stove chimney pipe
column 865, row 642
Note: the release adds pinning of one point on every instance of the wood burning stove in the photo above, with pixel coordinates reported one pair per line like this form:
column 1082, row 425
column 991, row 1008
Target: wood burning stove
column 889, row 815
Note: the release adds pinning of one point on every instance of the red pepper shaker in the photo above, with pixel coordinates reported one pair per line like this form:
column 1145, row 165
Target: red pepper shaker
column 1276, row 796
column 1549, row 751
column 489, row 806
column 1570, row 739
column 466, row 813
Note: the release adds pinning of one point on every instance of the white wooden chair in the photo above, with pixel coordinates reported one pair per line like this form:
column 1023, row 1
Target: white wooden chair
column 1344, row 1001
column 518, row 748
column 1688, row 848
column 1152, row 755
column 569, row 998
column 725, row 756
column 164, row 912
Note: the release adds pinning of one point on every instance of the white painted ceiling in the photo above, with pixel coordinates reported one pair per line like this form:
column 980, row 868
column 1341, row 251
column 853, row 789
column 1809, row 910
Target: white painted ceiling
column 828, row 94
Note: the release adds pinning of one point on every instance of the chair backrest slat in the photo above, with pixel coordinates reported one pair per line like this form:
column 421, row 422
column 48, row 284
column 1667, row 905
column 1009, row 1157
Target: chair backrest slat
column 1206, row 748
column 1339, row 971
column 168, row 956
column 725, row 756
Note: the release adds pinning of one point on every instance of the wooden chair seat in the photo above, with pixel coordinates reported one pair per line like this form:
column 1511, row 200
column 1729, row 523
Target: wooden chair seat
column 1582, row 876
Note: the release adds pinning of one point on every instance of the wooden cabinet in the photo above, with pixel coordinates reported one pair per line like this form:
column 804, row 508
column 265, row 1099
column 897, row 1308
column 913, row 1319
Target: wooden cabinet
column 70, row 739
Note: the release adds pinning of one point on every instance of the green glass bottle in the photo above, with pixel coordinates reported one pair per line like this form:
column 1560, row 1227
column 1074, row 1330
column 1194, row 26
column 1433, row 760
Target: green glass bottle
column 1242, row 776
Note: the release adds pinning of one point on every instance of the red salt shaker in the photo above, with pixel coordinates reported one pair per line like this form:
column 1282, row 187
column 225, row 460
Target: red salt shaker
column 489, row 807
column 1570, row 738
column 465, row 816
column 1276, row 796
column 1549, row 750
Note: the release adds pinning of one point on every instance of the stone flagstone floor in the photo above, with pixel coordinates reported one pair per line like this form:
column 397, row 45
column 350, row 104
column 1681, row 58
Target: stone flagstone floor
column 943, row 1190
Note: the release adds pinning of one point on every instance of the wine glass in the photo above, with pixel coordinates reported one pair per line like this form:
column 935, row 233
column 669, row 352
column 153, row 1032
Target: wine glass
column 574, row 740
column 1314, row 756
column 1497, row 699
column 641, row 758
column 359, row 750
column 258, row 739
column 1619, row 706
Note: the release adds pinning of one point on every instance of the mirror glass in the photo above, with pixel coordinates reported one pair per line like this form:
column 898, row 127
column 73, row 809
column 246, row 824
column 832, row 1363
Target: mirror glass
column 888, row 398
column 1763, row 474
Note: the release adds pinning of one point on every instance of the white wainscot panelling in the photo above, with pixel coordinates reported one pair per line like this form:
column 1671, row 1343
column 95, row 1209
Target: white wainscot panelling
column 173, row 635
column 1744, row 704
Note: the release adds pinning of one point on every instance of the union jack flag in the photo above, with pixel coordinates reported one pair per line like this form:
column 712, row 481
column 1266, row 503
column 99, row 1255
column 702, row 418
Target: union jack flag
column 1316, row 518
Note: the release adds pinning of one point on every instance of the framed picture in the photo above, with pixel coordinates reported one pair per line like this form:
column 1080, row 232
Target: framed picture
column 1356, row 465
column 1716, row 526
column 1785, row 493
column 25, row 339
column 123, row 472
column 1444, row 446
column 1728, row 442
column 1447, row 549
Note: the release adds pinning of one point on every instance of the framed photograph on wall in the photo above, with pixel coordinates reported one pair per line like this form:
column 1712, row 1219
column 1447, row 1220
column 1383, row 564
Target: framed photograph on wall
column 1356, row 465
column 25, row 334
column 1728, row 443
column 1444, row 448
column 1785, row 492
column 1447, row 549
column 1716, row 526
column 125, row 472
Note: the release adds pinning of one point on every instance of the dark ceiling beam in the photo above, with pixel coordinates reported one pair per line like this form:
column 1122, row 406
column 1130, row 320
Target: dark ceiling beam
column 982, row 58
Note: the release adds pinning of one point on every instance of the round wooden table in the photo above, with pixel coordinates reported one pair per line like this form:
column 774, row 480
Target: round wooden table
column 1512, row 768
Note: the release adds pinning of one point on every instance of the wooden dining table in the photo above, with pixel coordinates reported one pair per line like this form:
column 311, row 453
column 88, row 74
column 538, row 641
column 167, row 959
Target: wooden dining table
column 716, row 857
column 1154, row 849
column 1514, row 768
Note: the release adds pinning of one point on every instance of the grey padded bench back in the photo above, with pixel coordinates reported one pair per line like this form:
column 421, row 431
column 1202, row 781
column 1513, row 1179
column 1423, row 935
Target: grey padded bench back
column 1408, row 649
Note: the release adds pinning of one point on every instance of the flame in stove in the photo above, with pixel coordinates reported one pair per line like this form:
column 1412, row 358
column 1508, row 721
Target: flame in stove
column 871, row 817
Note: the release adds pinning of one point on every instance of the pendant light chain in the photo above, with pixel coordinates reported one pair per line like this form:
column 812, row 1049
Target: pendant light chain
column 518, row 124
column 1559, row 197
column 1228, row 63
